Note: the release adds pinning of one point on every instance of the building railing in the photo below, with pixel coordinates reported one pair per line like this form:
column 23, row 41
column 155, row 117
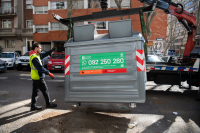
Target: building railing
column 7, row 30
column 6, row 10
column 27, row 30
column 16, row 31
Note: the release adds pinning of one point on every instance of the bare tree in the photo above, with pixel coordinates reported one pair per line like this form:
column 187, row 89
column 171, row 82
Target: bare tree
column 119, row 6
column 130, row 7
column 149, row 20
column 174, row 28
column 182, row 43
column 171, row 32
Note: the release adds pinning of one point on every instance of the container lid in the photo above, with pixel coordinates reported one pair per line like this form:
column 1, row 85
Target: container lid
column 105, row 37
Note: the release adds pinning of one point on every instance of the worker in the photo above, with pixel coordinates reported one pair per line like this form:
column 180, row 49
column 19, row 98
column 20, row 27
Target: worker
column 38, row 74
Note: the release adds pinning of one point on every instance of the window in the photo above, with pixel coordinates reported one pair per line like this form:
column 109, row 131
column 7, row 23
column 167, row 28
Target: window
column 29, row 23
column 58, row 56
column 6, row 5
column 10, row 43
column 124, row 4
column 41, row 9
column 6, row 23
column 78, row 4
column 94, row 4
column 99, row 24
column 58, row 26
column 154, row 58
column 188, row 4
column 29, row 4
column 59, row 5
column 41, row 28
column 7, row 55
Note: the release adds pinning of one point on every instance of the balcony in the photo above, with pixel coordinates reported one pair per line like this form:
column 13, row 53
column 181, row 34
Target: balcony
column 27, row 32
column 5, row 32
column 12, row 11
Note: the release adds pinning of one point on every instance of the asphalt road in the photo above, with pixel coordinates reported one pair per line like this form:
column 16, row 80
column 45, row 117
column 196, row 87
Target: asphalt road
column 167, row 109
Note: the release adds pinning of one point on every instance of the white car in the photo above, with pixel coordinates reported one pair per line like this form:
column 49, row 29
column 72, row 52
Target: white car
column 154, row 58
column 23, row 61
column 45, row 61
column 3, row 65
column 9, row 58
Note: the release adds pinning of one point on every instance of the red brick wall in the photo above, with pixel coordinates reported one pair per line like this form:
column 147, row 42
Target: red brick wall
column 62, row 13
column 158, row 26
column 40, row 19
column 28, row 14
column 52, row 35
column 40, row 2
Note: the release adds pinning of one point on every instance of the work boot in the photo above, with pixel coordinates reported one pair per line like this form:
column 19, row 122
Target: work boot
column 33, row 108
column 51, row 105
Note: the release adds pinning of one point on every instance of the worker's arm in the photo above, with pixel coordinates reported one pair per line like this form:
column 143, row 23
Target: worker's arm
column 43, row 55
column 39, row 67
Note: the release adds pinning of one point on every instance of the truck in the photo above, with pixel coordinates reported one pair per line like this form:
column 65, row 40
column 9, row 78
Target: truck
column 187, row 69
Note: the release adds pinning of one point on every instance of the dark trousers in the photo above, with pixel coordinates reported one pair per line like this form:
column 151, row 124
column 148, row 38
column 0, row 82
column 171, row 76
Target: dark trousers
column 42, row 86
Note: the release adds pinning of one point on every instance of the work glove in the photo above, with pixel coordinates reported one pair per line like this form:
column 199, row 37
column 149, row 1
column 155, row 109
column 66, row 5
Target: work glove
column 53, row 49
column 51, row 75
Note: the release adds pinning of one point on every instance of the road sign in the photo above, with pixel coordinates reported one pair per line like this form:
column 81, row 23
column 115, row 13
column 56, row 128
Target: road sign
column 113, row 62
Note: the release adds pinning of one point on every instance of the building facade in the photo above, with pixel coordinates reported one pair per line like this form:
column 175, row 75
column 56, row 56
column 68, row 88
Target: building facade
column 49, row 32
column 16, row 31
column 24, row 22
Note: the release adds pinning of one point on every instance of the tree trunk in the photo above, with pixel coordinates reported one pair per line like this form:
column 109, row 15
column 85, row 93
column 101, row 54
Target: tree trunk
column 69, row 15
column 118, row 3
column 129, row 17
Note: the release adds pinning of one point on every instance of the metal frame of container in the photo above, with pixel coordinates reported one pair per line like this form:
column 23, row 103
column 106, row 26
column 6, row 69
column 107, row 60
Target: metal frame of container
column 114, row 87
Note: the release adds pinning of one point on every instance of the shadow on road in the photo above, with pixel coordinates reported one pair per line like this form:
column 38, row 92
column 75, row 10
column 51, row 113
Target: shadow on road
column 77, row 121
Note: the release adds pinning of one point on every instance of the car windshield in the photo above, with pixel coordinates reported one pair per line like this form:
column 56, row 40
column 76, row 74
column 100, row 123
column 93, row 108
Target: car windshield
column 7, row 55
column 26, row 54
column 58, row 56
column 155, row 58
column 165, row 59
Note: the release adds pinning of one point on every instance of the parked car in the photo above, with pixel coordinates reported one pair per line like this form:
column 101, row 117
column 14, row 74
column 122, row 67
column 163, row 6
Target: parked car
column 170, row 59
column 3, row 66
column 10, row 58
column 166, row 58
column 45, row 61
column 154, row 58
column 23, row 61
column 56, row 61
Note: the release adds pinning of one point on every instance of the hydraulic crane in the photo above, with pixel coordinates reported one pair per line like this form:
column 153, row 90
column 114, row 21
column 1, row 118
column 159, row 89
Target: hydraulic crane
column 186, row 19
column 176, row 9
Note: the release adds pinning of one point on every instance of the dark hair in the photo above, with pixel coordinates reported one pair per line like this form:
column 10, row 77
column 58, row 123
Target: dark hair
column 35, row 45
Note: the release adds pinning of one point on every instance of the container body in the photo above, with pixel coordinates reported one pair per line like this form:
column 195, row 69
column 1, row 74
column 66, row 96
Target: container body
column 105, row 70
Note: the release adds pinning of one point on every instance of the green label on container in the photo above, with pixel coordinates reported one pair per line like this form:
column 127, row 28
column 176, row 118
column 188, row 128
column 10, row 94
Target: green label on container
column 103, row 61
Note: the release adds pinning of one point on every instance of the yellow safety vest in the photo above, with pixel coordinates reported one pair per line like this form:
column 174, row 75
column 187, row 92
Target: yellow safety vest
column 34, row 71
